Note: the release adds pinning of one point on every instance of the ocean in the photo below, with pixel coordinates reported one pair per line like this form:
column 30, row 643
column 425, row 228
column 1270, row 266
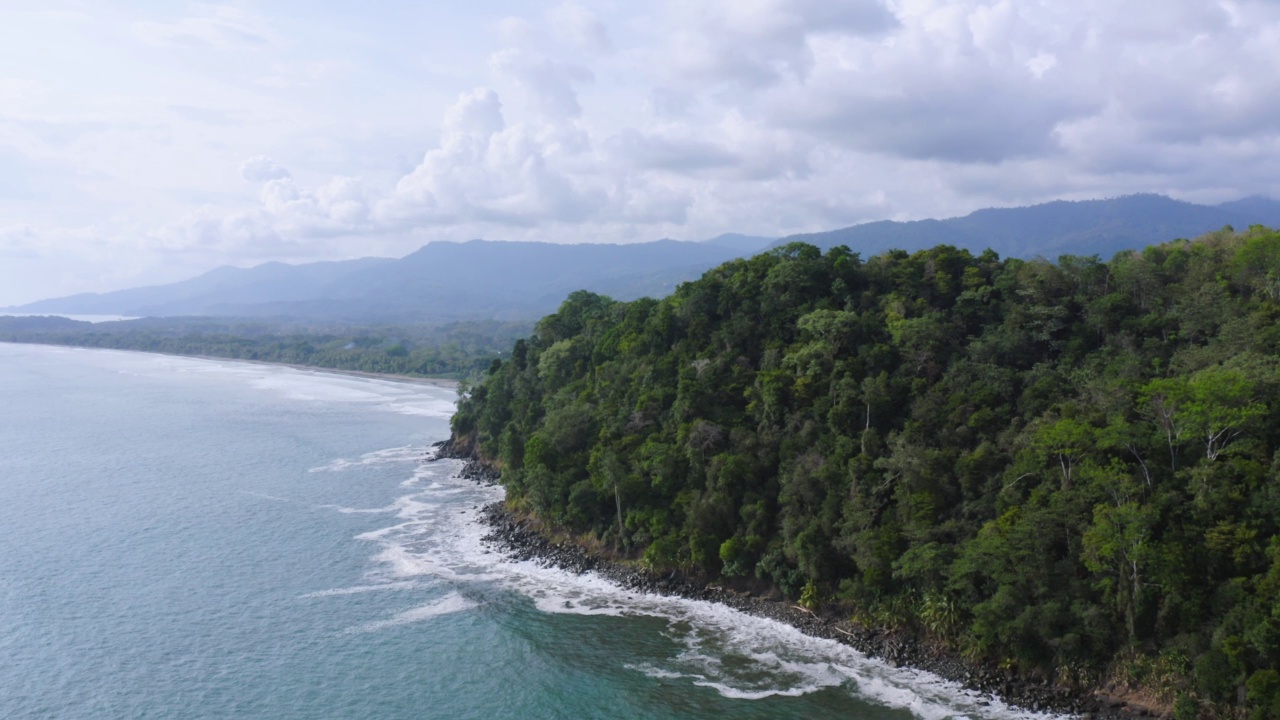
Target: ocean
column 184, row 538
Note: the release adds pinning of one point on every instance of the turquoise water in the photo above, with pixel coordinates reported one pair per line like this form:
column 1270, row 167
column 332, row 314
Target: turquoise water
column 199, row 539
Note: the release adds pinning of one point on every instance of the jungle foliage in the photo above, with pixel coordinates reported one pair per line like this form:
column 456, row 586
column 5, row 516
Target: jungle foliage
column 1067, row 468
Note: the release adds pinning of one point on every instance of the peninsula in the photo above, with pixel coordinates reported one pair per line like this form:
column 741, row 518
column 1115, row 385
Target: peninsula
column 1065, row 470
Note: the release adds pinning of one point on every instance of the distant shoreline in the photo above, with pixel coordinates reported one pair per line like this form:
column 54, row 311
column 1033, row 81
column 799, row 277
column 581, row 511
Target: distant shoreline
column 392, row 377
column 416, row 379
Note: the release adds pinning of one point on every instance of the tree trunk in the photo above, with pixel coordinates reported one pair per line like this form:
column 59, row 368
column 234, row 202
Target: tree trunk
column 617, row 499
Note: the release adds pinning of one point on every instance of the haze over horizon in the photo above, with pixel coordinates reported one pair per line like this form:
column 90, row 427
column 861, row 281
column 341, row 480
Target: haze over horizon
column 147, row 142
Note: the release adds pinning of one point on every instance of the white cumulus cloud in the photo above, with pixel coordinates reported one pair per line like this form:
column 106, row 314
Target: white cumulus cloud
column 262, row 168
column 586, row 120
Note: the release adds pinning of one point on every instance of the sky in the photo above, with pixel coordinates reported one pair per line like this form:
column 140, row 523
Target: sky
column 147, row 141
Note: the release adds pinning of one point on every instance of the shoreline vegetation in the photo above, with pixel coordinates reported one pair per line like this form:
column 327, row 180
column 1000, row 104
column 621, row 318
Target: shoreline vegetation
column 417, row 379
column 457, row 351
column 1063, row 473
column 523, row 537
column 444, row 382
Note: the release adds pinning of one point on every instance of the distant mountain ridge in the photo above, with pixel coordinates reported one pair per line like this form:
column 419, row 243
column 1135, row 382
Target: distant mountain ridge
column 1084, row 227
column 485, row 279
column 269, row 282
column 441, row 282
column 744, row 243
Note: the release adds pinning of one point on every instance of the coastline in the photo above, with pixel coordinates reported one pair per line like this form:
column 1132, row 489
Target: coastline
column 416, row 379
column 524, row 539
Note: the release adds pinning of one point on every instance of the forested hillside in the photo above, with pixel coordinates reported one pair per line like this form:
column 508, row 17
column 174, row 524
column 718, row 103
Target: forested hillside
column 1069, row 469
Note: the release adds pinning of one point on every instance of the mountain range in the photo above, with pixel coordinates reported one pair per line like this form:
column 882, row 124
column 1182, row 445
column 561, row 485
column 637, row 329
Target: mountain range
column 1085, row 227
column 480, row 279
column 441, row 282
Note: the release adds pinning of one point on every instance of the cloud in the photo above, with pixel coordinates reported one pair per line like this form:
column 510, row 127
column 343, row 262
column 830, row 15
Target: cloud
column 946, row 82
column 205, row 115
column 804, row 115
column 339, row 207
column 212, row 232
column 979, row 81
column 606, row 122
column 16, row 173
column 548, row 85
column 290, row 220
column 221, row 27
column 487, row 171
column 1041, row 64
column 677, row 152
column 734, row 149
column 756, row 44
column 19, row 241
column 14, row 90
column 957, row 114
column 262, row 168
column 581, row 26
column 308, row 74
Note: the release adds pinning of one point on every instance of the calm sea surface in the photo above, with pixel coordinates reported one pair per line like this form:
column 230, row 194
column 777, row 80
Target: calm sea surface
column 199, row 539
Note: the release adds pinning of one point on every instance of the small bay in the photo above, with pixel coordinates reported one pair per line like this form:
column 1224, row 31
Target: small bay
column 206, row 539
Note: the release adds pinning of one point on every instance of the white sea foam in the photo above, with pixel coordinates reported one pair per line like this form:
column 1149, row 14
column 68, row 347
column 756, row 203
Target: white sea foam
column 321, row 388
column 362, row 589
column 739, row 694
column 410, row 507
column 737, row 655
column 401, row 397
column 423, row 407
column 437, row 534
column 265, row 496
column 407, row 453
column 747, row 657
column 655, row 672
column 447, row 605
column 302, row 384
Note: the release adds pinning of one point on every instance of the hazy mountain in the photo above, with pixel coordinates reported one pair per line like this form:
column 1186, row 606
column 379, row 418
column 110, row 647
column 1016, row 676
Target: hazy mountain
column 505, row 280
column 201, row 295
column 482, row 279
column 1101, row 227
column 1263, row 210
column 746, row 244
column 441, row 282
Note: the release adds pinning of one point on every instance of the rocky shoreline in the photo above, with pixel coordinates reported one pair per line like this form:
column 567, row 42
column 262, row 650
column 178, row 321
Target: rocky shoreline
column 522, row 540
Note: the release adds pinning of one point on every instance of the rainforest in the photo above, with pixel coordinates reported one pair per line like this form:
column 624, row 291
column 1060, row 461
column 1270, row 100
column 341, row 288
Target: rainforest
column 1069, row 469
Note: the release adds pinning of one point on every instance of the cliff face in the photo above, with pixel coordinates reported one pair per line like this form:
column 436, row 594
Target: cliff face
column 1065, row 470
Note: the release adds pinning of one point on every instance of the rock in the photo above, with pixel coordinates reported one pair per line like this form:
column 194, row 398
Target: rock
column 517, row 539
